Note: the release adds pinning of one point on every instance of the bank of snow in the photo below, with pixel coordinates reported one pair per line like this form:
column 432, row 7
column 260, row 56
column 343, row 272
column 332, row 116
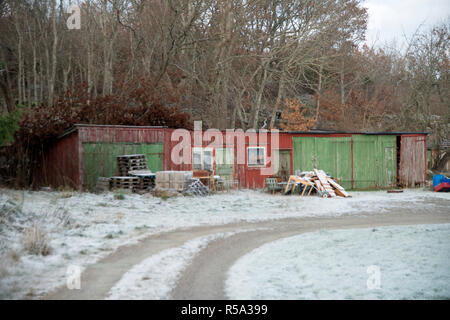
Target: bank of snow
column 84, row 227
column 413, row 263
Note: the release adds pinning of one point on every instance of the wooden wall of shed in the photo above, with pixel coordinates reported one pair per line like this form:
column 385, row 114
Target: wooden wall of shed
column 60, row 164
column 413, row 160
column 120, row 134
column 247, row 177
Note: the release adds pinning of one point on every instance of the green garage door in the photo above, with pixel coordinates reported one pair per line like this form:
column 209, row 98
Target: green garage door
column 331, row 154
column 100, row 158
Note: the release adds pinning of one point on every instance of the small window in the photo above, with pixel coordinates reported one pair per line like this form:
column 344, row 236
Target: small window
column 256, row 156
column 202, row 159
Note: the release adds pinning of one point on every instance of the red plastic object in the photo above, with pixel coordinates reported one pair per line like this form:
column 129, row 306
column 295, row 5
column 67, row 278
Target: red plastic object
column 444, row 186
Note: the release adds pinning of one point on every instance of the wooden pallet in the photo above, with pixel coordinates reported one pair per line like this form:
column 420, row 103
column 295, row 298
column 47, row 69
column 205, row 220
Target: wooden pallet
column 133, row 162
column 124, row 182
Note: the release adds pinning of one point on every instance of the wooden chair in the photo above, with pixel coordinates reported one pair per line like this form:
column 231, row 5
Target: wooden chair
column 272, row 185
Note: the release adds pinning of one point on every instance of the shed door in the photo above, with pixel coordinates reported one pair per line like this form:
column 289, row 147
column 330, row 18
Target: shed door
column 389, row 165
column 388, row 160
column 225, row 163
column 412, row 161
column 366, row 164
column 331, row 154
column 284, row 165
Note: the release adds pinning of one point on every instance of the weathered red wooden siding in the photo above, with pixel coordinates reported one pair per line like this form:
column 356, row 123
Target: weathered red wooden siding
column 253, row 177
column 413, row 160
column 60, row 164
column 168, row 164
column 247, row 177
column 92, row 133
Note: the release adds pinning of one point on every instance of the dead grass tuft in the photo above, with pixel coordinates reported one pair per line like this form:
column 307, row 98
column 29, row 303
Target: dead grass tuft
column 36, row 241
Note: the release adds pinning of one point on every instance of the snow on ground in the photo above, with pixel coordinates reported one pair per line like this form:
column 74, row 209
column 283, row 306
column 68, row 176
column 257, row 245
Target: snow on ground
column 155, row 277
column 413, row 262
column 84, row 227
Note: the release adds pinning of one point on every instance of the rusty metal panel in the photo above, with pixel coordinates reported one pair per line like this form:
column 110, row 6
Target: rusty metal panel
column 412, row 171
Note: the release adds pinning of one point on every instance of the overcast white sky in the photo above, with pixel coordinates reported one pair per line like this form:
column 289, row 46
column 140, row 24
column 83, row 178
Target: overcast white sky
column 390, row 19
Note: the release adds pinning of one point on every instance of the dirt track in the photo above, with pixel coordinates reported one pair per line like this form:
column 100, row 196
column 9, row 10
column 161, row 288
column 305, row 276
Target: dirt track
column 204, row 278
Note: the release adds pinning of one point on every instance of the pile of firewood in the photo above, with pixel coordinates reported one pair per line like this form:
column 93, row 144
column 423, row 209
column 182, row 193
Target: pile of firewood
column 318, row 180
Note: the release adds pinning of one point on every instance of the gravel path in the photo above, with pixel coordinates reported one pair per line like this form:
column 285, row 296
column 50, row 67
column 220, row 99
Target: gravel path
column 204, row 278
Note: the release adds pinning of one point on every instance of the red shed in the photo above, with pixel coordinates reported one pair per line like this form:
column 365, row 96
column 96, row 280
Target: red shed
column 357, row 160
column 85, row 152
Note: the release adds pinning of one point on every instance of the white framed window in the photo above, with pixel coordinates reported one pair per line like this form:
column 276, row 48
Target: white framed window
column 256, row 156
column 202, row 158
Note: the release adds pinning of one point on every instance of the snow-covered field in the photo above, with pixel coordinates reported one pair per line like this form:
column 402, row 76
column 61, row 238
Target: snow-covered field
column 401, row 262
column 81, row 228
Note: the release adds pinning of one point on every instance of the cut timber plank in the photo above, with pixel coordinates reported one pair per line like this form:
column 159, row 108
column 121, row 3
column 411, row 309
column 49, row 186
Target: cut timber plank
column 319, row 185
column 288, row 186
column 338, row 189
column 324, row 181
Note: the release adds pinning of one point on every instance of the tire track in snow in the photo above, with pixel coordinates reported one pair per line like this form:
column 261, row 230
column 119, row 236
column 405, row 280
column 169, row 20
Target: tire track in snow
column 156, row 276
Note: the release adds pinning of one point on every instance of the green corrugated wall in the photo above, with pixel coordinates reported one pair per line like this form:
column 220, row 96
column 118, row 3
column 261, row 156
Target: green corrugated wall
column 374, row 159
column 100, row 159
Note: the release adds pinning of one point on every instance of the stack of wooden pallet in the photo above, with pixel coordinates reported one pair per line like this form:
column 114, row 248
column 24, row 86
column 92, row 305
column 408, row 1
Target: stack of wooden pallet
column 131, row 183
column 318, row 180
column 146, row 178
column 126, row 163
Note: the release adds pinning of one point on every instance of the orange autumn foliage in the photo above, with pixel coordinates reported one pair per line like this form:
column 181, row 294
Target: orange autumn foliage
column 295, row 117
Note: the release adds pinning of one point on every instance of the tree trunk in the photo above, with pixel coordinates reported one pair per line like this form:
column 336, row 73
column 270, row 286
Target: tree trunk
column 279, row 100
column 441, row 160
column 51, row 88
column 319, row 92
column 258, row 102
column 20, row 89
